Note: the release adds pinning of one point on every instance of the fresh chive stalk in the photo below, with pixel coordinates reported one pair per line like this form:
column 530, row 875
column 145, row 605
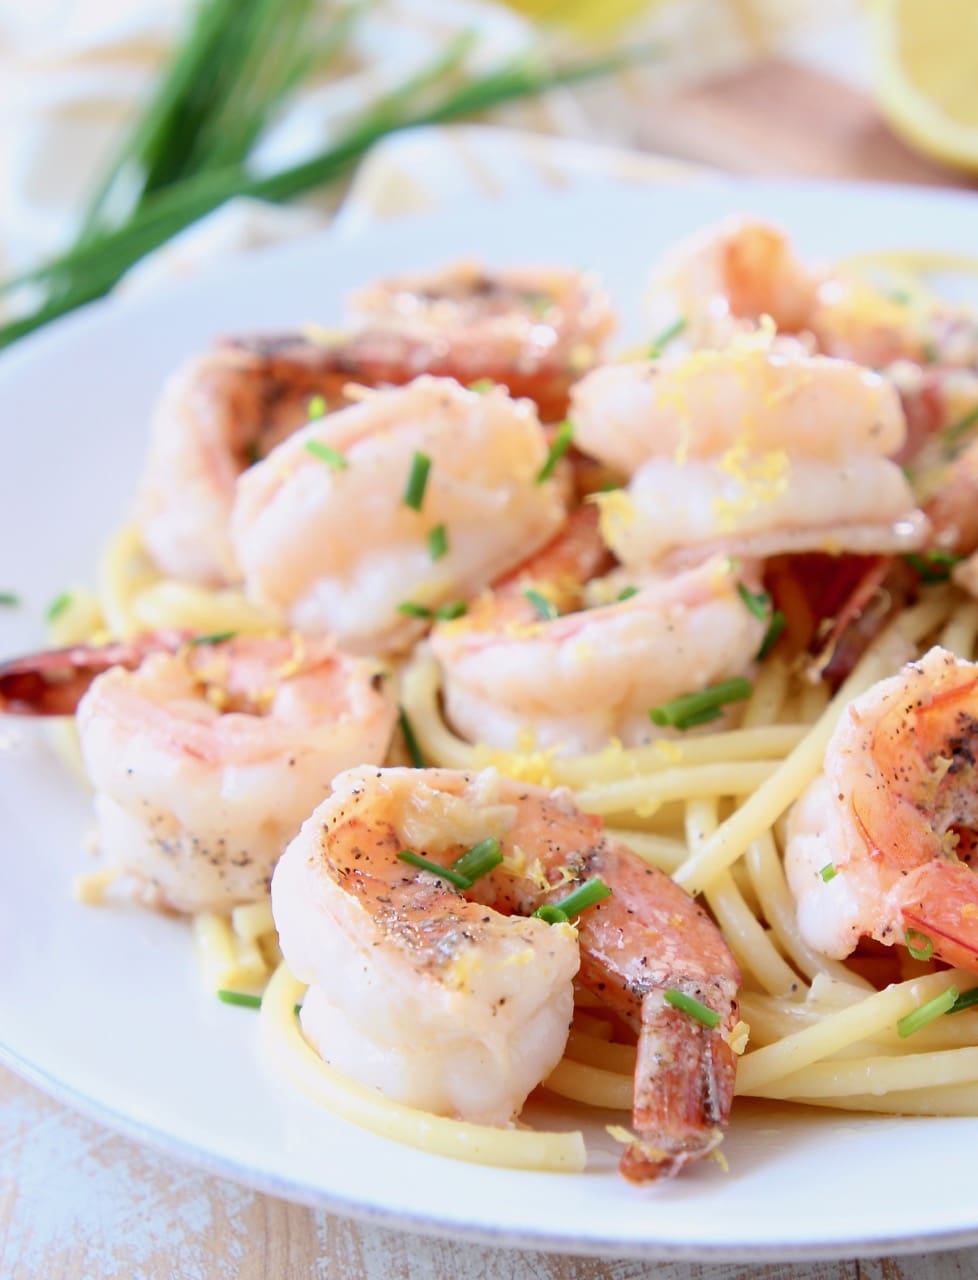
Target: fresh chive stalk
column 688, row 1005
column 100, row 257
column 934, row 565
column 772, row 635
column 702, row 707
column 966, row 1000
column 438, row 542
column 828, row 872
column 412, row 610
column 758, row 602
column 926, row 1014
column 479, row 860
column 425, row 864
column 333, row 459
column 242, row 998
column 626, row 593
column 449, row 612
column 558, row 447
column 316, row 408
column 58, row 605
column 410, row 741
column 584, row 896
column 9, row 599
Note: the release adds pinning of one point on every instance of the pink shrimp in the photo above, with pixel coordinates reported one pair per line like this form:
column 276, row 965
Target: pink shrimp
column 894, row 813
column 459, row 1001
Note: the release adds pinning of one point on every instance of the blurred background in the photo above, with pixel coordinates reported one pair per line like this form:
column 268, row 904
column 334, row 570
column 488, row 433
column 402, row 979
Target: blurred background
column 125, row 122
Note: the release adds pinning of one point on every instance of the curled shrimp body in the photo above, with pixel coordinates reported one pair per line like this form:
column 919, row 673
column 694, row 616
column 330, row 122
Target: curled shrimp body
column 727, row 277
column 206, row 761
column 335, row 545
column 534, row 330
column 894, row 814
column 460, row 1002
column 578, row 680
column 750, row 452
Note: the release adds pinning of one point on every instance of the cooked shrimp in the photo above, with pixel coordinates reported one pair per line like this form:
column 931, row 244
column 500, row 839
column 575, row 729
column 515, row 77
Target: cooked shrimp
column 578, row 680
column 206, row 761
column 52, row 682
column 731, row 275
column 460, row 1003
column 894, row 814
column 749, row 452
column 534, row 330
column 335, row 545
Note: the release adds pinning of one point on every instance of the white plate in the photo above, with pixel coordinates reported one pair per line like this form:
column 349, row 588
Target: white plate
column 103, row 1007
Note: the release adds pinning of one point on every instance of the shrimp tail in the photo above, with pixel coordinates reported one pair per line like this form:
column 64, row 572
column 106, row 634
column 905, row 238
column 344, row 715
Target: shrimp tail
column 53, row 682
column 684, row 1084
column 940, row 900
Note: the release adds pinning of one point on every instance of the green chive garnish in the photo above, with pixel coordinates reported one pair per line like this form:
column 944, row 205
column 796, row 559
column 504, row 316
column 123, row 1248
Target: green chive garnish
column 699, row 708
column 686, row 1004
column 481, row 386
column 626, row 593
column 584, row 896
column 757, row 602
column 412, row 610
column 560, row 445
column 438, row 542
column 934, row 565
column 324, row 453
column 239, row 997
column 918, row 944
column 773, row 634
column 410, row 741
column 215, row 637
column 449, row 612
column 58, row 605
column 479, row 860
column 317, row 408
column 9, row 599
column 966, row 1000
column 417, row 481
column 828, row 872
column 665, row 337
column 953, row 433
column 544, row 608
column 927, row 1013
column 444, row 873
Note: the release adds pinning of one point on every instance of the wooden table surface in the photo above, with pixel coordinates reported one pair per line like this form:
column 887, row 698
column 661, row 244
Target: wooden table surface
column 79, row 1202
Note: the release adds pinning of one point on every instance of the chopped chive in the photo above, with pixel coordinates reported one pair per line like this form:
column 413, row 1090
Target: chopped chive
column 410, row 741
column 324, row 453
column 215, row 637
column 245, row 1000
column 659, row 343
column 772, row 635
column 698, row 708
column 317, row 408
column 757, row 602
column 828, row 872
column 934, row 565
column 953, row 433
column 443, row 873
column 686, row 1004
column 438, row 542
column 9, row 599
column 927, row 1013
column 966, row 1000
column 239, row 997
column 626, row 593
column 449, row 612
column 481, row 386
column 58, row 605
column 412, row 610
column 479, row 860
column 559, row 446
column 584, row 896
column 417, row 481
column 544, row 608
column 918, row 944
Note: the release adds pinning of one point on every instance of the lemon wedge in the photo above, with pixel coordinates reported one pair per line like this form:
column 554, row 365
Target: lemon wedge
column 927, row 74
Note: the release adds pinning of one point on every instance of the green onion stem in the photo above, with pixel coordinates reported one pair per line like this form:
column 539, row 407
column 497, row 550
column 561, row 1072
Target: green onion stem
column 919, row 1018
column 424, row 864
column 410, row 741
column 584, row 896
column 417, row 481
column 438, row 542
column 545, row 610
column 758, row 602
column 662, row 340
column 688, row 1005
column 966, row 1000
column 559, row 446
column 58, row 605
column 9, row 599
column 772, row 635
column 920, row 946
column 215, row 637
column 828, row 872
column 699, row 708
column 479, row 860
column 240, row 998
column 332, row 457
